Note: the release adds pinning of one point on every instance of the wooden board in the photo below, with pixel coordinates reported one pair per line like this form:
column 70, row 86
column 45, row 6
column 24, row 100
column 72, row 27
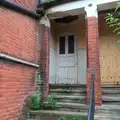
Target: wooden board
column 109, row 60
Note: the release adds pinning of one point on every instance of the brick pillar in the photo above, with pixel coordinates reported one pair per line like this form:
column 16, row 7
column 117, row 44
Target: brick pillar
column 44, row 54
column 93, row 62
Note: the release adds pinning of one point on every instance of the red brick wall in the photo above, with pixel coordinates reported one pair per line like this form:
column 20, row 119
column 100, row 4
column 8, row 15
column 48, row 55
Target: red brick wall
column 31, row 4
column 16, row 82
column 18, row 35
column 93, row 62
column 18, row 38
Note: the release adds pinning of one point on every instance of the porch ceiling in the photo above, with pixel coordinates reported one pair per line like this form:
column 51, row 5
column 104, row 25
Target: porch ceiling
column 77, row 8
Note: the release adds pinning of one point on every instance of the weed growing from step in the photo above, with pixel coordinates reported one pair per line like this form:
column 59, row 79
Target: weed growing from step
column 37, row 105
column 37, row 97
column 51, row 102
column 73, row 118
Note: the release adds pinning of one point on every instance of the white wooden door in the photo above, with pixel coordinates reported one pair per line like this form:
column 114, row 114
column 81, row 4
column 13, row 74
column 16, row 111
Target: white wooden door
column 67, row 62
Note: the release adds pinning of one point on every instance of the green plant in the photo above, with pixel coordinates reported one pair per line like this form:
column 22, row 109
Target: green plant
column 38, row 105
column 73, row 118
column 51, row 102
column 62, row 118
column 113, row 21
column 36, row 101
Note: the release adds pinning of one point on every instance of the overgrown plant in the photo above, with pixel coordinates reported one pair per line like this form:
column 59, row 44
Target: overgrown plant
column 73, row 118
column 36, row 101
column 113, row 19
column 51, row 102
column 38, row 105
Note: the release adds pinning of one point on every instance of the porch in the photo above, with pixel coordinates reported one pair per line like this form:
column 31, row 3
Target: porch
column 79, row 47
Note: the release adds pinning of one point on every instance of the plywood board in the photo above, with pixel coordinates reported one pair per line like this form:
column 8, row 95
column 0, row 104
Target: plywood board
column 109, row 60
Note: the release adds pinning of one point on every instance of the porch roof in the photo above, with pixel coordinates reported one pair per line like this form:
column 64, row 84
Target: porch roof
column 76, row 7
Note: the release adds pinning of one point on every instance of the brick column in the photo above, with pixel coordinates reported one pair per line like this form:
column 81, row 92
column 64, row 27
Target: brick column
column 93, row 62
column 44, row 54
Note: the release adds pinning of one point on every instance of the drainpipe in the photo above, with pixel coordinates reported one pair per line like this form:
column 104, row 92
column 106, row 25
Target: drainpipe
column 19, row 8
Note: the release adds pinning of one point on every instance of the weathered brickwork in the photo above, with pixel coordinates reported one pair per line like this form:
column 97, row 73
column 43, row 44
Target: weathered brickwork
column 18, row 38
column 93, row 62
column 18, row 35
column 44, row 58
column 16, row 82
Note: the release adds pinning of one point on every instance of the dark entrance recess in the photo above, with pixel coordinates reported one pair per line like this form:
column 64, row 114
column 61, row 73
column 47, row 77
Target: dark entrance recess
column 62, row 45
column 67, row 19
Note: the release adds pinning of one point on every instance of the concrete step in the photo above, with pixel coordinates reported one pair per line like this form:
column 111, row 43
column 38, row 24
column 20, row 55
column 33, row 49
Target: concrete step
column 60, row 90
column 69, row 93
column 111, row 98
column 110, row 86
column 73, row 107
column 110, row 91
column 108, row 109
column 55, row 112
column 102, row 116
column 67, row 85
column 70, row 99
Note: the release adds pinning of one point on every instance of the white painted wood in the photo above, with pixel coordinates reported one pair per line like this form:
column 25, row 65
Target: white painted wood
column 82, row 65
column 53, row 66
column 91, row 11
column 77, row 5
column 45, row 21
column 67, row 65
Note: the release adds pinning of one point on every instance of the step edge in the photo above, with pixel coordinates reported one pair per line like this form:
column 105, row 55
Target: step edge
column 56, row 112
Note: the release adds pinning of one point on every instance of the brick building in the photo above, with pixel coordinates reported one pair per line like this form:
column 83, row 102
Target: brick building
column 19, row 54
column 68, row 44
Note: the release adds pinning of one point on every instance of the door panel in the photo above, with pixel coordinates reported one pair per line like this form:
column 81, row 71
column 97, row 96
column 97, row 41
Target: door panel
column 67, row 62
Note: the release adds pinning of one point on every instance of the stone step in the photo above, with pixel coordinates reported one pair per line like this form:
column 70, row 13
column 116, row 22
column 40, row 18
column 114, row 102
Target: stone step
column 108, row 109
column 67, row 86
column 111, row 98
column 74, row 107
column 57, row 112
column 111, row 91
column 104, row 116
column 83, row 90
column 110, row 86
column 68, row 93
column 70, row 99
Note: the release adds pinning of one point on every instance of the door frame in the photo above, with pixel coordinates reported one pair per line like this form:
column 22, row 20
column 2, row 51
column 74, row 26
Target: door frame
column 75, row 51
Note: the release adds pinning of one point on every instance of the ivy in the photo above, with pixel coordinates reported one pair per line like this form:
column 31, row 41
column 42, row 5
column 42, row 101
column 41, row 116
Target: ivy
column 113, row 21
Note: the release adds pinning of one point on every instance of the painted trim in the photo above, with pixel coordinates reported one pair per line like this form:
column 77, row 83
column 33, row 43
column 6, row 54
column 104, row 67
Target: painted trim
column 91, row 11
column 4, row 56
column 77, row 5
column 19, row 8
column 45, row 21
